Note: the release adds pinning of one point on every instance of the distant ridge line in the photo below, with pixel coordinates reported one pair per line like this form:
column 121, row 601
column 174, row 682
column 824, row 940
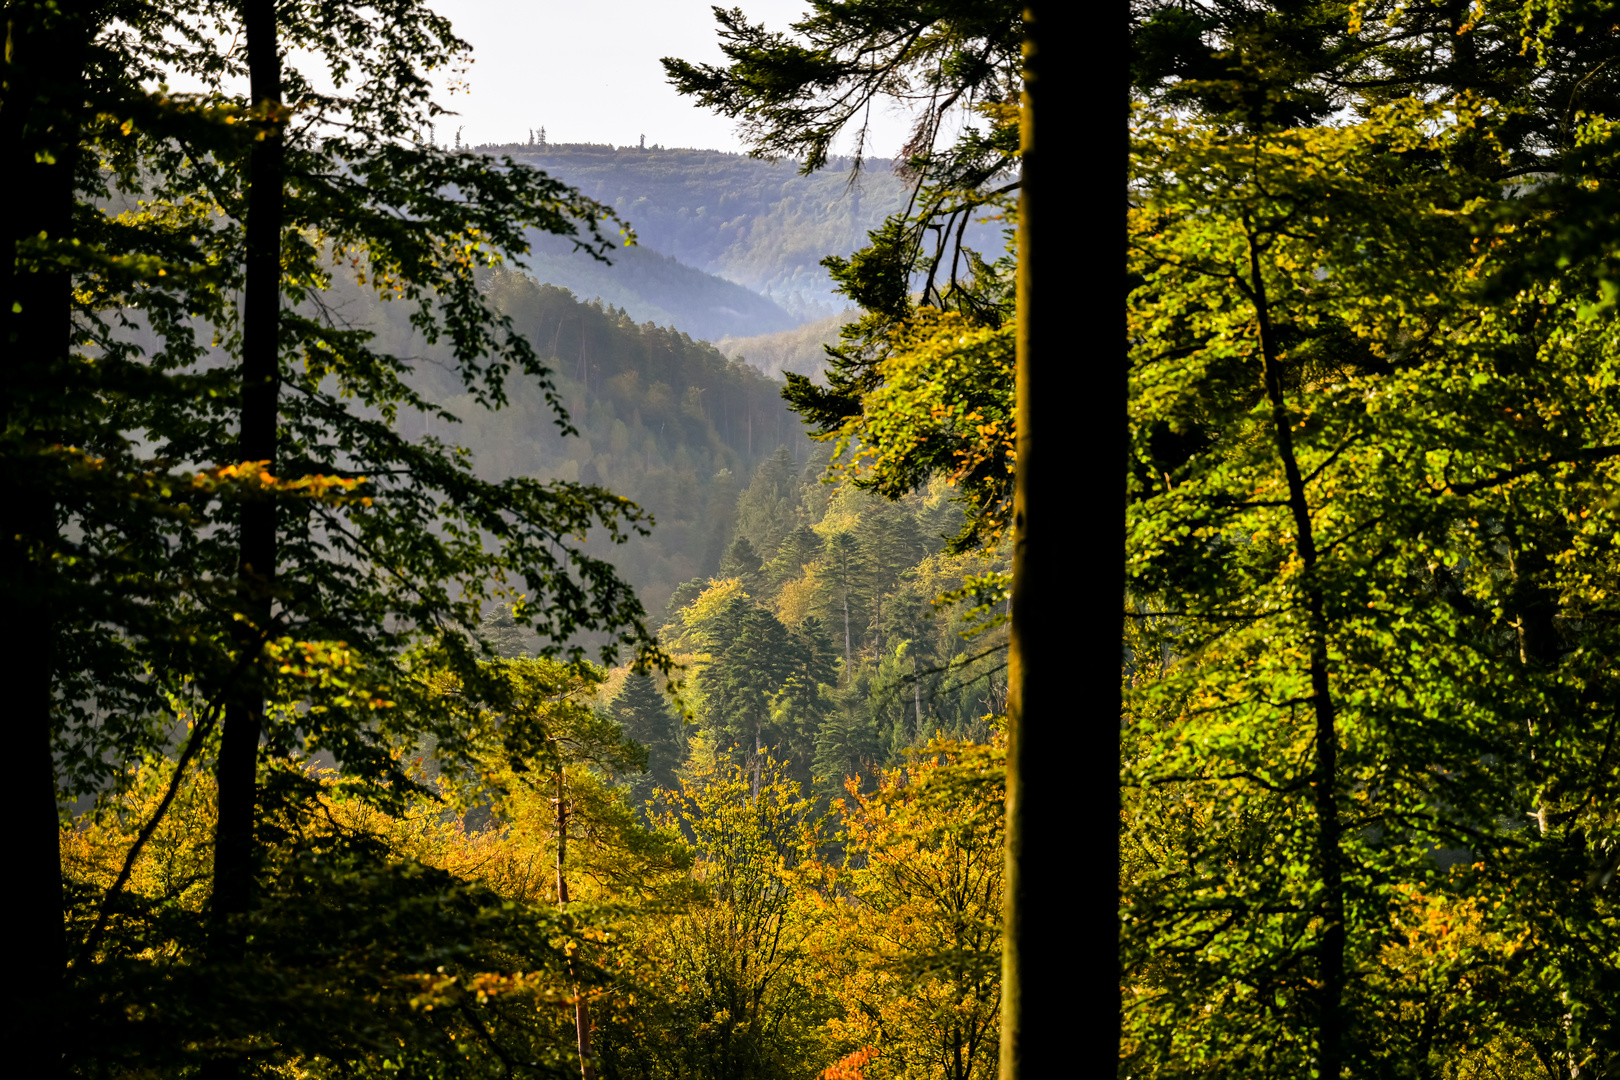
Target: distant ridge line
column 833, row 160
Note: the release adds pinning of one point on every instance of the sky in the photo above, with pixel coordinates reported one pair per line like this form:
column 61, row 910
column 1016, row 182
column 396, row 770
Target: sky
column 590, row 72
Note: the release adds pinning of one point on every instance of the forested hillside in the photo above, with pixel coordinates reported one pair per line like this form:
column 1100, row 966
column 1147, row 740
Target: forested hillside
column 758, row 223
column 801, row 350
column 741, row 511
column 658, row 288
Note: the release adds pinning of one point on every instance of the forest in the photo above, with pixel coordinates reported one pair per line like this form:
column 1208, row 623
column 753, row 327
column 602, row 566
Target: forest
column 626, row 612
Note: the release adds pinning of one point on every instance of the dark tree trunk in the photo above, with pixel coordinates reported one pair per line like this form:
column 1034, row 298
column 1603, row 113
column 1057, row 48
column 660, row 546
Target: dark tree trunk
column 256, row 568
column 43, row 89
column 1061, row 944
column 1330, row 949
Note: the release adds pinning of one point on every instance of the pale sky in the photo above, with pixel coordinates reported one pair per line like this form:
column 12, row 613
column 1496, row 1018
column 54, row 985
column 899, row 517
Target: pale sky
column 590, row 72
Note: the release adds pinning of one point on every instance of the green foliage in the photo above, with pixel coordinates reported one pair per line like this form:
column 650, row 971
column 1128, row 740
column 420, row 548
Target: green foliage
column 778, row 665
column 725, row 988
column 645, row 716
column 378, row 931
column 1362, row 488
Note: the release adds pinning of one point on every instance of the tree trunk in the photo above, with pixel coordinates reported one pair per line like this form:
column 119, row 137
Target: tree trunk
column 849, row 666
column 1063, row 702
column 1324, row 788
column 582, row 1008
column 256, row 566
column 43, row 90
column 916, row 693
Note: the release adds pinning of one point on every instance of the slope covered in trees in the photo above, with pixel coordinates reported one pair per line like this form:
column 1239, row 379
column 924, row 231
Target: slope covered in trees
column 661, row 419
column 801, row 350
column 759, row 223
column 658, row 288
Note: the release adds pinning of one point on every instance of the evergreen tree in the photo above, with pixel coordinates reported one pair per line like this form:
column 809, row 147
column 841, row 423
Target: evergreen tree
column 718, row 517
column 502, row 633
column 890, row 543
column 741, row 562
column 847, row 592
column 848, row 743
column 753, row 657
column 798, row 549
column 767, row 508
column 763, row 684
column 642, row 711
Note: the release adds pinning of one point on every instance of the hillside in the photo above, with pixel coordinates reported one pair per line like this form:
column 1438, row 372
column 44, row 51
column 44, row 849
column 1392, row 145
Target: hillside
column 802, row 350
column 705, row 443
column 757, row 223
column 657, row 288
column 665, row 420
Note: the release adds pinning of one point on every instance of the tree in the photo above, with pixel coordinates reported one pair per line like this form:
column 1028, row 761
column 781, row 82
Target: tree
column 741, row 561
column 761, row 683
column 82, row 505
column 795, row 94
column 641, row 710
column 890, row 543
column 477, row 952
column 318, row 560
column 1344, row 536
column 500, row 631
column 798, row 549
column 847, row 590
column 765, row 509
column 1529, row 70
column 727, row 990
column 912, row 919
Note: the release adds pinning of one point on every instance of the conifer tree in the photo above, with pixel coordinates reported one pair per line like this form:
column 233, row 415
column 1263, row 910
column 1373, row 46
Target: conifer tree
column 501, row 632
column 847, row 597
column 644, row 714
column 766, row 508
column 740, row 561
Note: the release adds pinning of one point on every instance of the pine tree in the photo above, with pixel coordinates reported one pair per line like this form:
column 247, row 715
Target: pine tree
column 890, row 543
column 847, row 594
column 797, row 550
column 502, row 633
column 767, row 509
column 644, row 714
column 741, row 562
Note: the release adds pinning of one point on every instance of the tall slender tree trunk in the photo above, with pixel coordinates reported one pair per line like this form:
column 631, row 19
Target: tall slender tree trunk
column 1061, row 945
column 39, row 104
column 916, row 693
column 1325, row 787
column 582, row 1008
column 849, row 666
column 256, row 566
column 759, row 752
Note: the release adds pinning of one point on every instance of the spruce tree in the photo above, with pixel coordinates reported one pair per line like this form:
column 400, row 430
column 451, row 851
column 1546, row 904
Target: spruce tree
column 741, row 562
column 645, row 716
